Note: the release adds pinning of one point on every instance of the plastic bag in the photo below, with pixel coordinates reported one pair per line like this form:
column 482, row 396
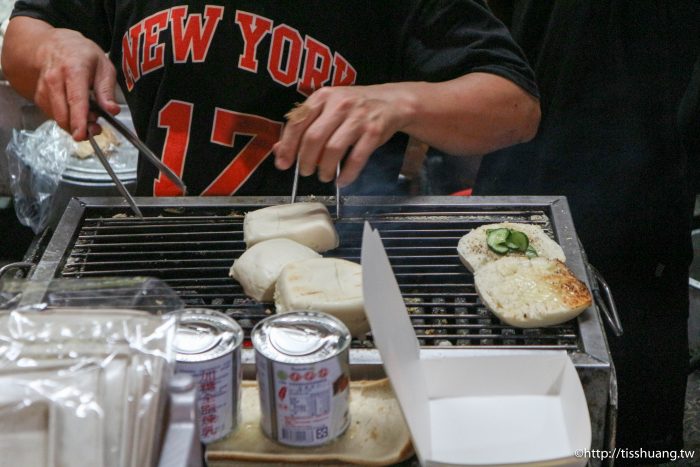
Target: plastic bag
column 5, row 9
column 36, row 161
column 84, row 384
column 132, row 293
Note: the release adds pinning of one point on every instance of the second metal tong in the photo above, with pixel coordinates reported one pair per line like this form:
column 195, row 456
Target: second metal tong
column 143, row 149
column 295, row 185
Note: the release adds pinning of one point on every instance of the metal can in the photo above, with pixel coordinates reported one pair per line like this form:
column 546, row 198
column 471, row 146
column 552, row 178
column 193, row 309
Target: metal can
column 303, row 373
column 208, row 346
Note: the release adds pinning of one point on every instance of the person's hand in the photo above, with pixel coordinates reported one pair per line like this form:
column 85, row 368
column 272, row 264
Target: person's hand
column 71, row 66
column 338, row 121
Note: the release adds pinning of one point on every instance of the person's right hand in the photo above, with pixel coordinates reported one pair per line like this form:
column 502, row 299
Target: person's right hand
column 71, row 66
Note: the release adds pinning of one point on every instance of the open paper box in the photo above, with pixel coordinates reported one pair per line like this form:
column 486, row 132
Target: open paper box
column 493, row 407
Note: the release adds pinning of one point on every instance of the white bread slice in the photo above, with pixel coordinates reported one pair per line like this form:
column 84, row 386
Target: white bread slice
column 377, row 435
column 258, row 267
column 330, row 285
column 307, row 223
column 530, row 293
column 475, row 252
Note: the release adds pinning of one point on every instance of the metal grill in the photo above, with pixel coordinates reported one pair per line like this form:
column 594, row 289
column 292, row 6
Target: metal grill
column 192, row 249
column 190, row 243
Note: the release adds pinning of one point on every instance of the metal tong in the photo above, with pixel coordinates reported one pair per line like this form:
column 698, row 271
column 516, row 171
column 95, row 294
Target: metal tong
column 295, row 185
column 143, row 149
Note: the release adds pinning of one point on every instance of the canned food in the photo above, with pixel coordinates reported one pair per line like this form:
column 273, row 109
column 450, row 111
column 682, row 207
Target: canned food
column 303, row 372
column 208, row 346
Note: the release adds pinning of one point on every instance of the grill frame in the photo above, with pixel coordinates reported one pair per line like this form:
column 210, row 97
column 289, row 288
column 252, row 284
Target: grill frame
column 53, row 262
column 590, row 355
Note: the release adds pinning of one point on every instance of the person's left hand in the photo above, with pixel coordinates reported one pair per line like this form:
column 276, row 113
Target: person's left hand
column 335, row 121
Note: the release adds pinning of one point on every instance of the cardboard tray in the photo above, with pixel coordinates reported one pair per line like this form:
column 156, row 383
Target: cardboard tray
column 497, row 407
column 377, row 434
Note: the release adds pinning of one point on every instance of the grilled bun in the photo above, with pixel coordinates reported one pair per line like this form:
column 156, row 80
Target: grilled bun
column 259, row 266
column 306, row 223
column 475, row 253
column 330, row 285
column 530, row 293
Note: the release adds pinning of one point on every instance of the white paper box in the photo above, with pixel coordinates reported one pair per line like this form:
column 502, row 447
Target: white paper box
column 494, row 407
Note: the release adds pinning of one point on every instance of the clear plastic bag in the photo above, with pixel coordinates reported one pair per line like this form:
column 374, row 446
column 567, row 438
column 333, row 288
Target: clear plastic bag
column 47, row 167
column 82, row 383
column 36, row 161
column 131, row 293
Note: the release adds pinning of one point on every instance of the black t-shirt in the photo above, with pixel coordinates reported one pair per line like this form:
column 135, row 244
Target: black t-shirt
column 611, row 75
column 208, row 84
column 689, row 122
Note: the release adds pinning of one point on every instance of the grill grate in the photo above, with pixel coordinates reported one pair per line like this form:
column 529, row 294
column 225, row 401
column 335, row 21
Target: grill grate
column 192, row 249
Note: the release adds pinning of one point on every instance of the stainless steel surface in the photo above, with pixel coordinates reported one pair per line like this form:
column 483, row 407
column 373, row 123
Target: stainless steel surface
column 295, row 183
column 145, row 150
column 337, row 192
column 24, row 266
column 191, row 243
column 117, row 182
column 606, row 303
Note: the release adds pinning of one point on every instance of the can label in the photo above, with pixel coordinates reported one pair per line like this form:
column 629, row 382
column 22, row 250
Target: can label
column 304, row 404
column 217, row 383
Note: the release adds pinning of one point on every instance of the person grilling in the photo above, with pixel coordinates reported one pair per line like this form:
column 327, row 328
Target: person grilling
column 209, row 85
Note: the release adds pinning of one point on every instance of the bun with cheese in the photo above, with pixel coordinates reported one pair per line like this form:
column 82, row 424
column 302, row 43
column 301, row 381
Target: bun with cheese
column 529, row 293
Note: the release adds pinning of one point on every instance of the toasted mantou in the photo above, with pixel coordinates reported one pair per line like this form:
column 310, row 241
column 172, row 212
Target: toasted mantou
column 107, row 141
column 531, row 293
column 330, row 285
column 259, row 266
column 306, row 223
column 474, row 251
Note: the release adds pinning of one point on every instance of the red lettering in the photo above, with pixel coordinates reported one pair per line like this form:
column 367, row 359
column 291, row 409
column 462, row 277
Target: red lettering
column 227, row 125
column 317, row 67
column 152, row 51
column 343, row 73
column 191, row 39
column 176, row 117
column 211, row 418
column 253, row 29
column 207, row 430
column 283, row 38
column 130, row 54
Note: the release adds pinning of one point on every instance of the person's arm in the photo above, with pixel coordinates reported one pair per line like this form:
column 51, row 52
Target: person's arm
column 57, row 68
column 470, row 115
